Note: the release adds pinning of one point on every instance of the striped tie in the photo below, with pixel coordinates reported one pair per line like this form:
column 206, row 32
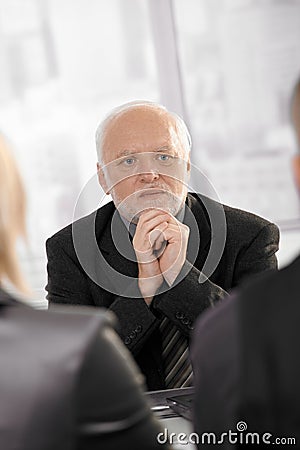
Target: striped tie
column 175, row 353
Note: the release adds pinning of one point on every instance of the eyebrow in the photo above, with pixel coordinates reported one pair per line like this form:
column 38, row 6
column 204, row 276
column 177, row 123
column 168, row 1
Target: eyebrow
column 165, row 148
column 126, row 152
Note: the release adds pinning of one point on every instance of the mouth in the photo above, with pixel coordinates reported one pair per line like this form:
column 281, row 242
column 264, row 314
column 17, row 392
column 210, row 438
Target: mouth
column 150, row 192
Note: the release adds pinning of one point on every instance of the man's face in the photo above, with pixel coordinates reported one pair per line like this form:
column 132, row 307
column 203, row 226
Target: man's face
column 145, row 163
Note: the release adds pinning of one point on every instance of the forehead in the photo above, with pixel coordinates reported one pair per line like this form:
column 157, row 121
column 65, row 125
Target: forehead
column 142, row 129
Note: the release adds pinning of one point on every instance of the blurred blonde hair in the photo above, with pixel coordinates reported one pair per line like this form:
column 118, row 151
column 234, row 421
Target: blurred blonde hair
column 12, row 217
column 295, row 109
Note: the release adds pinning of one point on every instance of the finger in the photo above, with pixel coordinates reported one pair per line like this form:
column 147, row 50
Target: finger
column 156, row 236
column 160, row 241
column 160, row 246
column 145, row 226
column 174, row 233
column 151, row 213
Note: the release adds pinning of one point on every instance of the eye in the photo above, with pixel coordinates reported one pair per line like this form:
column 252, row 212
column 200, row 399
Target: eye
column 165, row 159
column 127, row 162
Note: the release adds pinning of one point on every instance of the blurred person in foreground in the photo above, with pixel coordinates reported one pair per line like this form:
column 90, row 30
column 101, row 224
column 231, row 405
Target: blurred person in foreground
column 245, row 356
column 144, row 254
column 66, row 380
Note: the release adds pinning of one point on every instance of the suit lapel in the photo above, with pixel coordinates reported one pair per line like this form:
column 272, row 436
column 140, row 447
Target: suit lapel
column 116, row 246
column 200, row 232
column 116, row 268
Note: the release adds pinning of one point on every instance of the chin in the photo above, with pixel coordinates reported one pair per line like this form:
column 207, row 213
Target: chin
column 132, row 211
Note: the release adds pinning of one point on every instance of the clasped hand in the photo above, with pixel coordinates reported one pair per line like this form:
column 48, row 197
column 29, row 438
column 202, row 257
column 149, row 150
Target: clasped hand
column 160, row 244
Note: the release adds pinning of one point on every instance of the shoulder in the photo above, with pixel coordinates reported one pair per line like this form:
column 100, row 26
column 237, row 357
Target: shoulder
column 233, row 215
column 239, row 223
column 216, row 324
column 6, row 298
column 246, row 219
column 94, row 221
column 273, row 290
column 63, row 324
column 246, row 229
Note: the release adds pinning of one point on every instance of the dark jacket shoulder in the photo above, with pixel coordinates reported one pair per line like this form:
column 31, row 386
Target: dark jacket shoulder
column 234, row 216
column 95, row 222
column 278, row 290
column 242, row 227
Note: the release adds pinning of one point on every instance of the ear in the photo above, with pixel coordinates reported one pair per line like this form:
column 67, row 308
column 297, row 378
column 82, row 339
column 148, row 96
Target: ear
column 101, row 179
column 296, row 169
column 188, row 168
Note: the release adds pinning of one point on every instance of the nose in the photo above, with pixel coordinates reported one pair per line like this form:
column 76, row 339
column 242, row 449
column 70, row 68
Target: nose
column 147, row 170
column 149, row 176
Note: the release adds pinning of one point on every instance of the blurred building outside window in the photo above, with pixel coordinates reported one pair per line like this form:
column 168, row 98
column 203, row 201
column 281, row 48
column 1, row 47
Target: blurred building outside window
column 226, row 66
column 239, row 61
column 64, row 65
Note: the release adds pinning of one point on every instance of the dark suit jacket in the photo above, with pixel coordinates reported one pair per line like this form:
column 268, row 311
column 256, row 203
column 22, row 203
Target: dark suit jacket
column 250, row 247
column 67, row 382
column 245, row 360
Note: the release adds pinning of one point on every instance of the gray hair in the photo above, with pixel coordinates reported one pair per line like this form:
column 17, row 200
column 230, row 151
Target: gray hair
column 119, row 110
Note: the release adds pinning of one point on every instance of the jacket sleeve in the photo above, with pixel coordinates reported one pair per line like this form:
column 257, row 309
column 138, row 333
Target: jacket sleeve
column 194, row 293
column 259, row 256
column 112, row 410
column 188, row 298
column 136, row 321
column 68, row 284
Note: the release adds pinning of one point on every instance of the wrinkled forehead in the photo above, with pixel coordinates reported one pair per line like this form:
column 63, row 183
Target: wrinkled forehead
column 143, row 129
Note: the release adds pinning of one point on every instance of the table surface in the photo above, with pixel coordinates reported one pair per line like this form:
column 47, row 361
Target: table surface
column 172, row 423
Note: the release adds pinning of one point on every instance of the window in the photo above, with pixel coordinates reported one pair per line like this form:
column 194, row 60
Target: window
column 239, row 63
column 64, row 65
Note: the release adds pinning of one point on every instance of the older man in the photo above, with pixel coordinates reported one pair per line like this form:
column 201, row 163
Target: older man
column 244, row 356
column 143, row 255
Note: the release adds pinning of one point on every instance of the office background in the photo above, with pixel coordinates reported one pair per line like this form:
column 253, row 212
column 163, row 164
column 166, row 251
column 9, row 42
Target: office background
column 226, row 66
